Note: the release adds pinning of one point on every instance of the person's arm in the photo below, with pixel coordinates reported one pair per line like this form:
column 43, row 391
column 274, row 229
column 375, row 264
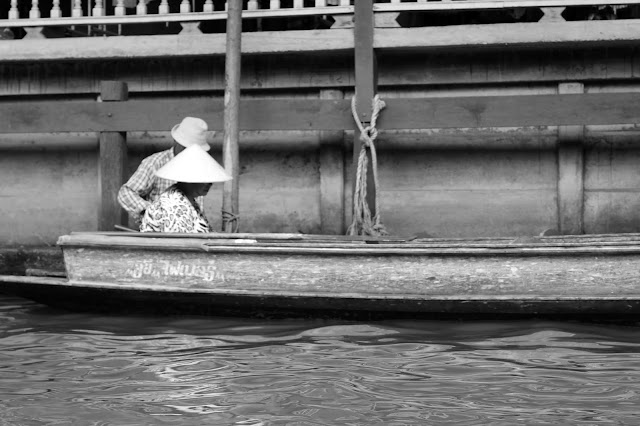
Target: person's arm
column 131, row 194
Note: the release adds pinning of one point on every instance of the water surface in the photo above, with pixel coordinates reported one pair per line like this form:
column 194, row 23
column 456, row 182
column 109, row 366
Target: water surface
column 62, row 368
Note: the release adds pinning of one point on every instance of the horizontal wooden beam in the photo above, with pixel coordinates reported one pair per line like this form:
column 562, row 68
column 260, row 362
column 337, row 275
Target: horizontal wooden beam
column 162, row 114
column 322, row 114
column 506, row 111
column 526, row 35
column 167, row 46
column 489, row 4
column 524, row 137
column 509, row 71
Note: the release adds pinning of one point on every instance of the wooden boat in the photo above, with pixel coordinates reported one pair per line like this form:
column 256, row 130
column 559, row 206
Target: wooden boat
column 250, row 274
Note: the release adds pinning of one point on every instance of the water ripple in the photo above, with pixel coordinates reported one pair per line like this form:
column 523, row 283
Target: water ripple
column 226, row 371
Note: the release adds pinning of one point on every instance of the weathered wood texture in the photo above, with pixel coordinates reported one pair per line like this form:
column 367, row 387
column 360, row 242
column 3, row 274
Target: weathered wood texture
column 359, row 244
column 231, row 143
column 522, row 69
column 101, row 237
column 113, row 91
column 524, row 35
column 570, row 172
column 118, row 298
column 111, row 176
column 529, row 137
column 551, row 34
column 112, row 162
column 17, row 260
column 322, row 114
column 366, row 75
column 165, row 46
column 332, row 176
column 370, row 271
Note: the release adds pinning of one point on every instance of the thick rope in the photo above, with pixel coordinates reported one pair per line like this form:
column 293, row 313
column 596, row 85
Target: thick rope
column 362, row 223
column 228, row 217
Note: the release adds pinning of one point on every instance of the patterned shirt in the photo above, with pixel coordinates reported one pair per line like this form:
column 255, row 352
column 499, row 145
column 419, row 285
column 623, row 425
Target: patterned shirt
column 173, row 212
column 144, row 186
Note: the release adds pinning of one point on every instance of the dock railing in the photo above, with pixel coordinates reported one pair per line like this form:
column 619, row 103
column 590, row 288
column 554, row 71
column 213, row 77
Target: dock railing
column 32, row 16
column 76, row 18
column 375, row 28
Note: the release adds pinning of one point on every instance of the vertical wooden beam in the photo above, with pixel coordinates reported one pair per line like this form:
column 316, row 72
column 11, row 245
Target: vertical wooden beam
column 230, row 145
column 112, row 162
column 349, row 184
column 366, row 75
column 331, row 157
column 570, row 172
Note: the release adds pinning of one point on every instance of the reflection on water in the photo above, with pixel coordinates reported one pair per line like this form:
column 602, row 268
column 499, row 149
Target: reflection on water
column 78, row 369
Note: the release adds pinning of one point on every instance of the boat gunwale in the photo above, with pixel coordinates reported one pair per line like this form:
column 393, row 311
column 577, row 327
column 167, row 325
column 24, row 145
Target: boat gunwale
column 501, row 247
column 350, row 238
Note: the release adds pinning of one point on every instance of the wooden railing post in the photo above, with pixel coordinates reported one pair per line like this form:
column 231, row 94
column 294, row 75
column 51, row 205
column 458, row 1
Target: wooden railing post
column 331, row 157
column 366, row 85
column 13, row 11
column 112, row 162
column 163, row 8
column 56, row 12
column 570, row 172
column 230, row 145
column 77, row 9
column 141, row 8
column 98, row 9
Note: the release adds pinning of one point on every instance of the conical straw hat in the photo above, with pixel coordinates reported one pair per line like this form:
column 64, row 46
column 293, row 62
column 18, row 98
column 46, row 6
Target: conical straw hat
column 193, row 165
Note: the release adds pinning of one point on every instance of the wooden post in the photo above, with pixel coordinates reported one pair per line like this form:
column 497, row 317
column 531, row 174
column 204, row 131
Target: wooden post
column 230, row 149
column 331, row 175
column 112, row 162
column 570, row 171
column 366, row 76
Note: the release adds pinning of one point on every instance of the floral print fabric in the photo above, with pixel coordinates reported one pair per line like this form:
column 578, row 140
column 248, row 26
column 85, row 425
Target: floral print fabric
column 173, row 212
column 144, row 187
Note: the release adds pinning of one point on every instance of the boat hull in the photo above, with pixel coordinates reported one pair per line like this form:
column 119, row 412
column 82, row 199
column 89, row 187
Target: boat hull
column 218, row 276
column 95, row 297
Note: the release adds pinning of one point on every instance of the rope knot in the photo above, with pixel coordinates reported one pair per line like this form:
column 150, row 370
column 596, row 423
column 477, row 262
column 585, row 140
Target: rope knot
column 368, row 135
column 230, row 218
column 363, row 223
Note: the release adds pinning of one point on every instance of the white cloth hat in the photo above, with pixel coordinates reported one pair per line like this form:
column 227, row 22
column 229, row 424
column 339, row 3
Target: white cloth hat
column 191, row 131
column 193, row 165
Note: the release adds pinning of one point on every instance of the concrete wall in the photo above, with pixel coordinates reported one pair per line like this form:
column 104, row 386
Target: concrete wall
column 45, row 194
column 440, row 182
column 471, row 193
column 612, row 189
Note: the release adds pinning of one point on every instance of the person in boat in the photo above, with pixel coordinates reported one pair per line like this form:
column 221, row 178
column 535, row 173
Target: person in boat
column 176, row 209
column 144, row 186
